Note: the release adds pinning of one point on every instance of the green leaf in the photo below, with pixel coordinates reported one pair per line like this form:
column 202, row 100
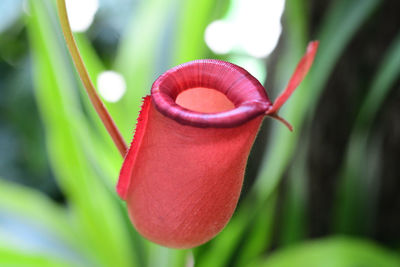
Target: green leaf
column 332, row 252
column 354, row 204
column 30, row 220
column 137, row 58
column 294, row 208
column 194, row 17
column 14, row 258
column 294, row 203
column 259, row 237
column 96, row 213
column 26, row 203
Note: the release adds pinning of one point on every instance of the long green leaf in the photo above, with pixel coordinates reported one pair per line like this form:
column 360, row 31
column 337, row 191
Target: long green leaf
column 27, row 203
column 293, row 226
column 355, row 192
column 295, row 201
column 14, row 258
column 29, row 220
column 332, row 252
column 101, row 226
column 137, row 58
column 260, row 236
column 193, row 19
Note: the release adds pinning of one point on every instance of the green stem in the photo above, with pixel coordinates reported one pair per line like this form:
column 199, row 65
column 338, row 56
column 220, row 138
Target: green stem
column 83, row 73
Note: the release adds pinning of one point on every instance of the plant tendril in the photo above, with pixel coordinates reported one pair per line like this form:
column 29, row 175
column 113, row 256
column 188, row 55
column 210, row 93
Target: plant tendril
column 89, row 87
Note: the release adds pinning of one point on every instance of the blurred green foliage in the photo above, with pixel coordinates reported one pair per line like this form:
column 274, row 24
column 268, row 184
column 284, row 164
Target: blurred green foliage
column 70, row 215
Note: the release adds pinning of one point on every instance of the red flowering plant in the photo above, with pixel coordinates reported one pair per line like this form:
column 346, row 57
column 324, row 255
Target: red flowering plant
column 182, row 175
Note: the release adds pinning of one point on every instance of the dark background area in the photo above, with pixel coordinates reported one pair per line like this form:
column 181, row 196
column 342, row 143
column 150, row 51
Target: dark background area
column 330, row 130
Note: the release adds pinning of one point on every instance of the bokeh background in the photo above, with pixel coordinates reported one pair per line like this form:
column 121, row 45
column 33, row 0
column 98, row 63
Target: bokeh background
column 325, row 195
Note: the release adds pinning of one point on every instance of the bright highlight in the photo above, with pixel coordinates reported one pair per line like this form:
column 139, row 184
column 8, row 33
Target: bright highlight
column 111, row 86
column 81, row 13
column 220, row 36
column 252, row 27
